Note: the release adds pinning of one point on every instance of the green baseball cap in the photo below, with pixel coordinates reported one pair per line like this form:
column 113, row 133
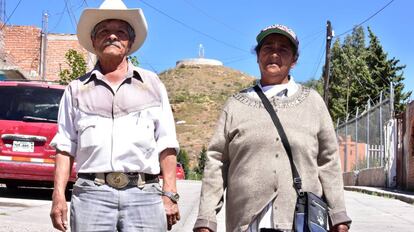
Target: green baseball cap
column 278, row 29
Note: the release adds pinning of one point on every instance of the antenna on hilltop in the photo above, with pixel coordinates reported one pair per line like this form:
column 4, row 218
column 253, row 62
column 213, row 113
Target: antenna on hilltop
column 200, row 51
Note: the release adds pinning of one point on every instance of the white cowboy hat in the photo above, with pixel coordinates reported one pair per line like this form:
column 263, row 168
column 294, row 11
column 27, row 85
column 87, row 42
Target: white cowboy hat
column 111, row 9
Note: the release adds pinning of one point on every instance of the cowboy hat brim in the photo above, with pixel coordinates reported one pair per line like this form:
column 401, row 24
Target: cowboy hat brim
column 91, row 17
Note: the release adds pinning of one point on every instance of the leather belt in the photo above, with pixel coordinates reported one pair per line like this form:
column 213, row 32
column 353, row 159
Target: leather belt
column 120, row 180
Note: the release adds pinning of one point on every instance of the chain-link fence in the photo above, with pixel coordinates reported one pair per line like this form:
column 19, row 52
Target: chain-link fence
column 361, row 138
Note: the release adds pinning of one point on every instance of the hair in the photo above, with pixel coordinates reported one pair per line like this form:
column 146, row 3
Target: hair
column 292, row 46
column 131, row 32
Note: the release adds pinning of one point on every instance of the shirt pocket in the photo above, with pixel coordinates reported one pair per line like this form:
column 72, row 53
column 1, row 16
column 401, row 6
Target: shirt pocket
column 89, row 133
column 144, row 131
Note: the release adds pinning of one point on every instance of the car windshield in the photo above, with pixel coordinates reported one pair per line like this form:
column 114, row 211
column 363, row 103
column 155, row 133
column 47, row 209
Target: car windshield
column 28, row 103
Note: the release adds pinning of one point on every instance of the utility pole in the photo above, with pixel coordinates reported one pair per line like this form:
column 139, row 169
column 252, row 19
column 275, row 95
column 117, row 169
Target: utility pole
column 43, row 46
column 327, row 61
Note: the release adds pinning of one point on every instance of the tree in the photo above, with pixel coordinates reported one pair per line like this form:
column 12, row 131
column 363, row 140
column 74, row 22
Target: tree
column 385, row 71
column 359, row 73
column 77, row 67
column 134, row 60
column 202, row 158
column 182, row 158
column 315, row 84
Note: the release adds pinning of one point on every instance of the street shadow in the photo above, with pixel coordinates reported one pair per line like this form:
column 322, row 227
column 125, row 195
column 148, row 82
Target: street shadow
column 38, row 193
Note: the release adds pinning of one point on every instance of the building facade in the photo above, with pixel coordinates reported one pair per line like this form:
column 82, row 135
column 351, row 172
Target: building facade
column 24, row 47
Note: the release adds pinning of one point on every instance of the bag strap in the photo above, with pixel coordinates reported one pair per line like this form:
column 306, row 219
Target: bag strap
column 297, row 181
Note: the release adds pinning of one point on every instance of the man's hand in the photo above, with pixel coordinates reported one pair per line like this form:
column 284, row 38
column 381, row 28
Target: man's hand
column 202, row 229
column 172, row 212
column 340, row 228
column 59, row 211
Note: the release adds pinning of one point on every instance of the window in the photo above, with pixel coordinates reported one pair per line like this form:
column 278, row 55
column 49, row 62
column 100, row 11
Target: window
column 28, row 103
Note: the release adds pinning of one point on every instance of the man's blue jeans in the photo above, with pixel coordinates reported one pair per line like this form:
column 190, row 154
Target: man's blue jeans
column 103, row 208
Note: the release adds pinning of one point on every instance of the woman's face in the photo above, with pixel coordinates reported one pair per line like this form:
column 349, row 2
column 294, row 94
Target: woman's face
column 276, row 57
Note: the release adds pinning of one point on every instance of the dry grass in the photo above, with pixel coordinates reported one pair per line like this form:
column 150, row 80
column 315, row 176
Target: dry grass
column 197, row 94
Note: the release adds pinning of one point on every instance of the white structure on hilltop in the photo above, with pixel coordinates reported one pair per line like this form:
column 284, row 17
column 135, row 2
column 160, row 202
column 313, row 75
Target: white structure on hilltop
column 198, row 61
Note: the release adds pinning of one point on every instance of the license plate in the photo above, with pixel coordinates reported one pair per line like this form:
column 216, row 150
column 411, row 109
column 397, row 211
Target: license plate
column 23, row 146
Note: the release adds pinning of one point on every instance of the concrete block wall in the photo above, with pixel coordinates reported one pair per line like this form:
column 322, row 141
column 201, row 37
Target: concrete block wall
column 350, row 178
column 372, row 177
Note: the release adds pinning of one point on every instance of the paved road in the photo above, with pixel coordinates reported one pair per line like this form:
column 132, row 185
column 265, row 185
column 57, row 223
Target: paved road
column 373, row 213
column 28, row 210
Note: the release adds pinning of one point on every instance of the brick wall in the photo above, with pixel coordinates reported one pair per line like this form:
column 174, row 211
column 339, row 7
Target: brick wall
column 1, row 42
column 22, row 47
column 58, row 45
column 352, row 161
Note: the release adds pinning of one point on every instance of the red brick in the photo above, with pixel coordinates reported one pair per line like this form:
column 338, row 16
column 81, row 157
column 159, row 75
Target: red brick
column 22, row 44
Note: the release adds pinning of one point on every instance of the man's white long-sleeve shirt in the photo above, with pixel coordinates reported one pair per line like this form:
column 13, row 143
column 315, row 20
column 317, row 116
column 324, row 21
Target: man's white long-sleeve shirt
column 116, row 130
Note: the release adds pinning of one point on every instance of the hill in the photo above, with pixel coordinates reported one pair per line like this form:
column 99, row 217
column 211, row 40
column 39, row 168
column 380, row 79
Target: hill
column 197, row 95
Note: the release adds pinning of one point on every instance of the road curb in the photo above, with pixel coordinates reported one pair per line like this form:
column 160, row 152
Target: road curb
column 379, row 192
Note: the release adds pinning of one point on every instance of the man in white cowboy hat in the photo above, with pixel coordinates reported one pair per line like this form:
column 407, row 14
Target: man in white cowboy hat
column 116, row 123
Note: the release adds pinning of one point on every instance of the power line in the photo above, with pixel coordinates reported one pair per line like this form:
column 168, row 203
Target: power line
column 238, row 60
column 7, row 20
column 145, row 61
column 366, row 20
column 312, row 37
column 69, row 8
column 367, row 84
column 214, row 19
column 321, row 50
column 193, row 29
column 70, row 16
column 61, row 13
column 60, row 18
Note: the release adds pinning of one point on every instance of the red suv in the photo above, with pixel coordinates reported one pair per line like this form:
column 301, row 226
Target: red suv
column 28, row 122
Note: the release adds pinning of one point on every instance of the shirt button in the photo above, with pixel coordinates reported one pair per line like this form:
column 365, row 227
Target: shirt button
column 277, row 139
column 277, row 155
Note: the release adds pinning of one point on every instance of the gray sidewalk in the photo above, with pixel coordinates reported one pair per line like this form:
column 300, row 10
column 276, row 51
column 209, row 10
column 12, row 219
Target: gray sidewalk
column 189, row 191
column 405, row 196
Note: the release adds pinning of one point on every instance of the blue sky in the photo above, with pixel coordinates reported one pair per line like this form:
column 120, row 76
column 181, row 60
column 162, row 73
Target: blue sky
column 227, row 29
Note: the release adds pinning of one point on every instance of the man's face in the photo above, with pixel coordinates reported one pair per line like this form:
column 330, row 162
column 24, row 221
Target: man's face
column 111, row 38
column 276, row 58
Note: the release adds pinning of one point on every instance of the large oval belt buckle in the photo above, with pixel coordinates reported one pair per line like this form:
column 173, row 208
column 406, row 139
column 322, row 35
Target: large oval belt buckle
column 117, row 180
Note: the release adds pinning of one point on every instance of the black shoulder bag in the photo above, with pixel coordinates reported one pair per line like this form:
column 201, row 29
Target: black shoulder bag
column 311, row 213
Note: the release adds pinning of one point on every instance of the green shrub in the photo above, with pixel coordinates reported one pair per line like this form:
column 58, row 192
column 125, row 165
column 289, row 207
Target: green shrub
column 182, row 158
column 202, row 157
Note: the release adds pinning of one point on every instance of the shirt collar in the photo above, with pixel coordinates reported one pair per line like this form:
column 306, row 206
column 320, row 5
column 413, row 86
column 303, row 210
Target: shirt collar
column 282, row 90
column 96, row 73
